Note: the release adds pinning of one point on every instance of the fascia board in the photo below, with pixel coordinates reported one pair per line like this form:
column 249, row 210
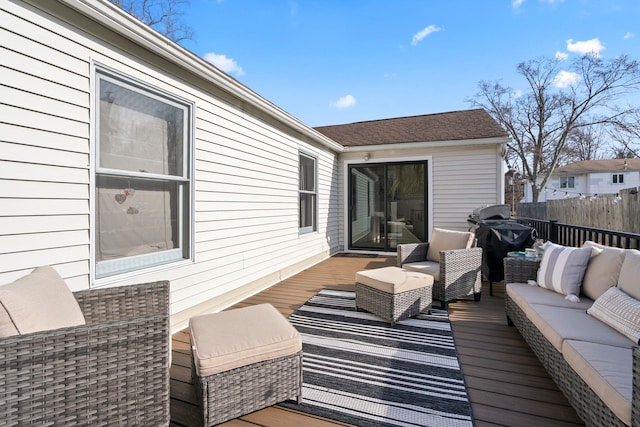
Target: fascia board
column 128, row 26
column 426, row 144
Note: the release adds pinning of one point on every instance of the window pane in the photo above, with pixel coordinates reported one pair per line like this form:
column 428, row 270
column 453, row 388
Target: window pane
column 307, row 174
column 139, row 133
column 405, row 196
column 307, row 210
column 135, row 216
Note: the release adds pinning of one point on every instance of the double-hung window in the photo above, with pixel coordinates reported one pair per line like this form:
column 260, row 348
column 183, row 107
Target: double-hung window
column 617, row 178
column 567, row 182
column 143, row 177
column 307, row 194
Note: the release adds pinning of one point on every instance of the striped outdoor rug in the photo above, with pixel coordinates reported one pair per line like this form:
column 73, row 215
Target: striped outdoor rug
column 360, row 370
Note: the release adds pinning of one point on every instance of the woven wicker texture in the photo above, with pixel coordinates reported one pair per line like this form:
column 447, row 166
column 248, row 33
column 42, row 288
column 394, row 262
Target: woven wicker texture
column 393, row 307
column 520, row 269
column 239, row 391
column 113, row 371
column 587, row 404
column 460, row 273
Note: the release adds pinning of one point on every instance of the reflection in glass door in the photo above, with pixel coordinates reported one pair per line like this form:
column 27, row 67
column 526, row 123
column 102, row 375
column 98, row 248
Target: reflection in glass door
column 387, row 205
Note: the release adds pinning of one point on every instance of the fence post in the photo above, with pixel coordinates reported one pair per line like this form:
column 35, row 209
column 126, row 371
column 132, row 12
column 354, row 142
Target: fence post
column 553, row 230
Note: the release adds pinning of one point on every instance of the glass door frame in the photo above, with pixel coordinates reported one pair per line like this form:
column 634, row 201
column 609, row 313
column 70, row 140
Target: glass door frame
column 386, row 161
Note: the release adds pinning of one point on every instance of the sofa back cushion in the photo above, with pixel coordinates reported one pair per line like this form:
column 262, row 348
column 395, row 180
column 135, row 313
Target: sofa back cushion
column 603, row 271
column 629, row 279
column 39, row 301
column 562, row 268
column 444, row 240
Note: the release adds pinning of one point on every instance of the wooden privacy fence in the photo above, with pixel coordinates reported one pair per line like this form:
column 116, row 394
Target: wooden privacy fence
column 606, row 212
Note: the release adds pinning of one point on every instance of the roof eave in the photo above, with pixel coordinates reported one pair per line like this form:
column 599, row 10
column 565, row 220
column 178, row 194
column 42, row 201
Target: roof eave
column 427, row 144
column 126, row 25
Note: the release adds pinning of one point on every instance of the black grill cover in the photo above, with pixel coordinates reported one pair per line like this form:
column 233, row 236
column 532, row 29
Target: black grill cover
column 497, row 238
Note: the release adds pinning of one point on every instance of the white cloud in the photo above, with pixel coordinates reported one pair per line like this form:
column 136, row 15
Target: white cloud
column 565, row 78
column 629, row 35
column 516, row 3
column 417, row 37
column 345, row 102
column 588, row 47
column 227, row 65
column 517, row 93
column 561, row 56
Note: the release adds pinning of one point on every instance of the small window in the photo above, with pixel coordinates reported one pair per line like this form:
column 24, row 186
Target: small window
column 618, row 178
column 308, row 194
column 567, row 182
column 142, row 182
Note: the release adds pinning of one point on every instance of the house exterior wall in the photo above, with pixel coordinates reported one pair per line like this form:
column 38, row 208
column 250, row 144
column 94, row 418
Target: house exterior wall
column 587, row 184
column 461, row 178
column 245, row 200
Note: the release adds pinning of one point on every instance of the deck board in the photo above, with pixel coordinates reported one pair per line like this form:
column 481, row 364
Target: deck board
column 507, row 384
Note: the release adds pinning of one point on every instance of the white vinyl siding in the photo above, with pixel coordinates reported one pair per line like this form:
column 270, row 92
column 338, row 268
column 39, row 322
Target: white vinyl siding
column 462, row 178
column 245, row 205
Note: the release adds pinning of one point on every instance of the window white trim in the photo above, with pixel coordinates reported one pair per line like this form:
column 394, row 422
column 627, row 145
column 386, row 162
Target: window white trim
column 311, row 192
column 181, row 180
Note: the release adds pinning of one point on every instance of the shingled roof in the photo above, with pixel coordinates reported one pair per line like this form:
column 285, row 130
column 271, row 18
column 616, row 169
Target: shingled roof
column 610, row 165
column 451, row 126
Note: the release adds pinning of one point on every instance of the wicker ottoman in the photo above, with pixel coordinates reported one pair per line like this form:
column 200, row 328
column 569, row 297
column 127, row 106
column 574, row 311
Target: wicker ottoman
column 244, row 360
column 393, row 293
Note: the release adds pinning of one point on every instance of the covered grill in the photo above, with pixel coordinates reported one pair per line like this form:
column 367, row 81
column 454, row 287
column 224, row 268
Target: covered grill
column 498, row 235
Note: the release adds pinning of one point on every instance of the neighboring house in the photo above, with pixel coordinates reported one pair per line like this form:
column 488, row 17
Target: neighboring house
column 125, row 158
column 588, row 178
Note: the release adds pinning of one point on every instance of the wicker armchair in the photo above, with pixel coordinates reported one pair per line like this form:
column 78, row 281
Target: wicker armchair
column 459, row 270
column 113, row 371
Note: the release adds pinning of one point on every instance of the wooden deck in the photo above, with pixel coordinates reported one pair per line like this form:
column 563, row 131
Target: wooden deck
column 507, row 385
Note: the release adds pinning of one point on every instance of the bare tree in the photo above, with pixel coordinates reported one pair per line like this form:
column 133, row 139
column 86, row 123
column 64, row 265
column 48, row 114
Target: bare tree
column 541, row 121
column 584, row 143
column 163, row 16
column 627, row 137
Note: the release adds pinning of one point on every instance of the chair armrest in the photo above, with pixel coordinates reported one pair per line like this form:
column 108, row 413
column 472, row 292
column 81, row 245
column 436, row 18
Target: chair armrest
column 412, row 252
column 123, row 302
column 520, row 269
column 460, row 260
column 105, row 372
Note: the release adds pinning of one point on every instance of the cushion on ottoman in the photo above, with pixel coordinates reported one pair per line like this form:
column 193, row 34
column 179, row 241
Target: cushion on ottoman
column 231, row 339
column 393, row 280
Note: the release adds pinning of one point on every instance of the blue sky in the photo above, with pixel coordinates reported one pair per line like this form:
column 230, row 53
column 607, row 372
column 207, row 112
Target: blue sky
column 341, row 61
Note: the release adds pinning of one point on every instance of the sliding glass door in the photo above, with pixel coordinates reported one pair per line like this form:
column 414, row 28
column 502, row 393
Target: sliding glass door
column 387, row 205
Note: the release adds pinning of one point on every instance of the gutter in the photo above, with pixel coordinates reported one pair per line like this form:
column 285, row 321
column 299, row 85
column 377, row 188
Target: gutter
column 131, row 28
column 426, row 144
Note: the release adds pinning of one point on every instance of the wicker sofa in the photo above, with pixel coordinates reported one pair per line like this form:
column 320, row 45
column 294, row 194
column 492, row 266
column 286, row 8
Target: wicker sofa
column 595, row 365
column 451, row 258
column 113, row 370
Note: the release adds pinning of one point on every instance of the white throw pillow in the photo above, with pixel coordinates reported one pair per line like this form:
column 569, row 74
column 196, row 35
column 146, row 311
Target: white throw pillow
column 37, row 302
column 562, row 268
column 620, row 311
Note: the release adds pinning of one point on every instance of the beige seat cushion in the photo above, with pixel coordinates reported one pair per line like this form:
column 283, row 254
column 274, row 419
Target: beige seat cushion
column 427, row 267
column 602, row 271
column 235, row 338
column 39, row 301
column 630, row 273
column 558, row 324
column 443, row 240
column 524, row 294
column 606, row 370
column 393, row 280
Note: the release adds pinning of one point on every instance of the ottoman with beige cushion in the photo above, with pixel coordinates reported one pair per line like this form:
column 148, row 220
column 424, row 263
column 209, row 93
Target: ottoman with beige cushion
column 244, row 360
column 393, row 293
